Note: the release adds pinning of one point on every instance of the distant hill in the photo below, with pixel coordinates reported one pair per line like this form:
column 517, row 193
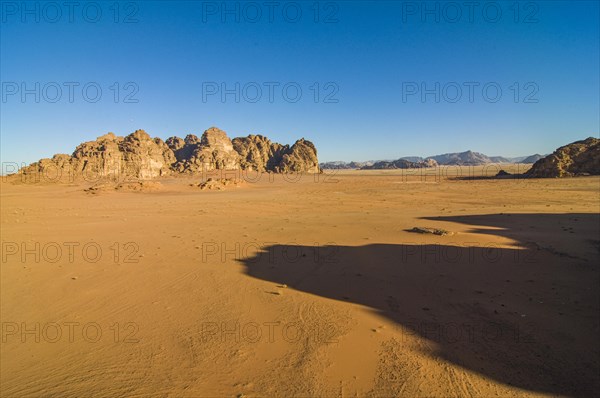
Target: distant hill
column 532, row 158
column 401, row 164
column 462, row 158
column 340, row 165
column 469, row 158
column 413, row 158
column 500, row 159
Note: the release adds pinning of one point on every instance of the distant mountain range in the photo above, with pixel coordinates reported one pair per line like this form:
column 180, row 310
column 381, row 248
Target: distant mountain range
column 467, row 158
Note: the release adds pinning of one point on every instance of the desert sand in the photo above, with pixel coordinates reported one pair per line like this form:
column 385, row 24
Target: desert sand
column 313, row 287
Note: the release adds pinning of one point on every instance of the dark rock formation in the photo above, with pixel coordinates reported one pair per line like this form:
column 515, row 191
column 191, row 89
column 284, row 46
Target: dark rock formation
column 340, row 165
column 401, row 164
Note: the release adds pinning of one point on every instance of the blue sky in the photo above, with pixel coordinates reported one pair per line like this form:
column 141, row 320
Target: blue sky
column 361, row 68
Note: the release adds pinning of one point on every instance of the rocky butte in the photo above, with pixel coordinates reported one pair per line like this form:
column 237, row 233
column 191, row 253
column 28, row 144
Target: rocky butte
column 577, row 158
column 140, row 156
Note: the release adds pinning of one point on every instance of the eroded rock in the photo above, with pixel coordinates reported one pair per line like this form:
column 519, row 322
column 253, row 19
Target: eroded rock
column 577, row 158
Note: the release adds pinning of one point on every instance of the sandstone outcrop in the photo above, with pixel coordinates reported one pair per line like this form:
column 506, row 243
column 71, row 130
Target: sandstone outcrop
column 258, row 153
column 300, row 158
column 110, row 156
column 141, row 157
column 577, row 158
column 214, row 151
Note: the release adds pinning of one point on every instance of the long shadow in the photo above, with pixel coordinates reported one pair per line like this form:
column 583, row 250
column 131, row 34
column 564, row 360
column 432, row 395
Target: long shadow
column 526, row 317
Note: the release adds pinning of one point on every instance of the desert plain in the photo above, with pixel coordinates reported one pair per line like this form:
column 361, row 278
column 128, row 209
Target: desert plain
column 302, row 286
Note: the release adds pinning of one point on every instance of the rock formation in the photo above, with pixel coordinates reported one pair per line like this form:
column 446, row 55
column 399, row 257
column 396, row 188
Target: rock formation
column 109, row 156
column 142, row 157
column 214, row 151
column 577, row 158
column 401, row 164
column 258, row 153
column 340, row 165
column 300, row 158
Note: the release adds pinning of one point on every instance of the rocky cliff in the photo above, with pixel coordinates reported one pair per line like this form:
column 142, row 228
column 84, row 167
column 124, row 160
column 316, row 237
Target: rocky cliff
column 136, row 155
column 300, row 158
column 577, row 158
column 140, row 156
column 213, row 151
column 258, row 153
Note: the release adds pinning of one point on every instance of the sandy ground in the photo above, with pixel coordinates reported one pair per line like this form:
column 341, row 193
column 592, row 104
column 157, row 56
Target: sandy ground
column 312, row 288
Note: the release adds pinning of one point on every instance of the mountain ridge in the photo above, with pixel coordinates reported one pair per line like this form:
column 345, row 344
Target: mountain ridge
column 466, row 158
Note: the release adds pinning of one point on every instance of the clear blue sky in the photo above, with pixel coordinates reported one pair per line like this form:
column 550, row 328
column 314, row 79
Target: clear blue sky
column 371, row 54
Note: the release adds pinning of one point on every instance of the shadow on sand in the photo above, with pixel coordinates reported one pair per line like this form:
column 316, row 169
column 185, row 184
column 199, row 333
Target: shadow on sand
column 526, row 317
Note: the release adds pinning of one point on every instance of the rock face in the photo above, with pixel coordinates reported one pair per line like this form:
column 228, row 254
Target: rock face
column 577, row 158
column 136, row 156
column 144, row 157
column 140, row 156
column 258, row 153
column 401, row 164
column 214, row 151
column 300, row 158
